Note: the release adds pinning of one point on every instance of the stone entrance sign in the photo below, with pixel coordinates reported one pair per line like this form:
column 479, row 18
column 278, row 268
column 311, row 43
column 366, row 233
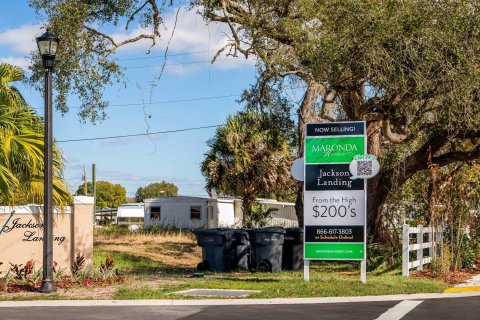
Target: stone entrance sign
column 22, row 237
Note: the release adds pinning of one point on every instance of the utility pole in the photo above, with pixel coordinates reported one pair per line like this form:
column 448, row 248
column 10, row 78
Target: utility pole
column 84, row 177
column 94, row 186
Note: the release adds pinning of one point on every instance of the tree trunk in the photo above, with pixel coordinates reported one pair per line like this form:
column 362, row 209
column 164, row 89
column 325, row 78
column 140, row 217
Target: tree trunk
column 304, row 116
column 247, row 204
column 299, row 204
column 376, row 187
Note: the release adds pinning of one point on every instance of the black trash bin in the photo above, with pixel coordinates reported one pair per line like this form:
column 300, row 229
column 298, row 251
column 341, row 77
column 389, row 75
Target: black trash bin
column 292, row 255
column 240, row 249
column 215, row 245
column 266, row 249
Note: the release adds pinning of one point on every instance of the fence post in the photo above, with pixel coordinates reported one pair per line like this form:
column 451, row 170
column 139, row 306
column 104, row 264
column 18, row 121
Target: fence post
column 420, row 250
column 432, row 242
column 405, row 256
column 439, row 239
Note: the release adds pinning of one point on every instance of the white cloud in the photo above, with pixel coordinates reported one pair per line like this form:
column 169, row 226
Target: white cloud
column 19, row 62
column 21, row 39
column 192, row 35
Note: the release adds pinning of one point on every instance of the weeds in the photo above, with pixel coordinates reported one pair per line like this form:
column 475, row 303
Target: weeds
column 78, row 264
column 21, row 273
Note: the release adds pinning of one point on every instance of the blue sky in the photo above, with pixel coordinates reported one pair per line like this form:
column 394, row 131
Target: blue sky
column 138, row 161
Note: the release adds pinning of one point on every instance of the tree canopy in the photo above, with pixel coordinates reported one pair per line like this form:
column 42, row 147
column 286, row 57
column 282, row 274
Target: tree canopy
column 156, row 190
column 400, row 65
column 108, row 195
column 248, row 157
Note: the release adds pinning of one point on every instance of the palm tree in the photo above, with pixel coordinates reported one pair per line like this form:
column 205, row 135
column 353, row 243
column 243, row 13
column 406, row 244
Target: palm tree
column 21, row 147
column 247, row 158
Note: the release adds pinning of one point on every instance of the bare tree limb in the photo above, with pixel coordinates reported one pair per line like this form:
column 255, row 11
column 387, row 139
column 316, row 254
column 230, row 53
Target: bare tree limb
column 393, row 137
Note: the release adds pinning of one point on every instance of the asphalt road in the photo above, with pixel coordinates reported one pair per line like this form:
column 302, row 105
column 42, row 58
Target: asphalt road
column 452, row 308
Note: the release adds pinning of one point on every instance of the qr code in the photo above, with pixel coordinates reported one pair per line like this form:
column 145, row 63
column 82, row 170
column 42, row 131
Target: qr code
column 364, row 168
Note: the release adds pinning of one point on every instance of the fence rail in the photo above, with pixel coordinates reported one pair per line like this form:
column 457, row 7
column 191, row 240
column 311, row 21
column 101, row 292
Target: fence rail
column 434, row 237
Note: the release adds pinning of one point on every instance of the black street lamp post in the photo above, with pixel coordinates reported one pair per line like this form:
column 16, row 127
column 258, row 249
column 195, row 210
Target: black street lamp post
column 47, row 45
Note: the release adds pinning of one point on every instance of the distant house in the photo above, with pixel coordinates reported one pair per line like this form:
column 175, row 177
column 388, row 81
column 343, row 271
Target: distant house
column 204, row 212
column 285, row 215
column 189, row 212
column 131, row 214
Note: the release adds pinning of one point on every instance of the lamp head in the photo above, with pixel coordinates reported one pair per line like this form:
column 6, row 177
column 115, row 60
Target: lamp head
column 47, row 46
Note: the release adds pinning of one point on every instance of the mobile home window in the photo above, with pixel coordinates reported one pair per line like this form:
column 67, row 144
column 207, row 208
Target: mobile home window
column 155, row 213
column 195, row 212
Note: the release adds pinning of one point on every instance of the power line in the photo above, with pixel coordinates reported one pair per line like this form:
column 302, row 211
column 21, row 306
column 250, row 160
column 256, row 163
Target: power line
column 137, row 134
column 169, row 101
column 179, row 63
column 166, row 64
column 145, row 134
column 168, row 55
column 126, row 180
column 162, row 101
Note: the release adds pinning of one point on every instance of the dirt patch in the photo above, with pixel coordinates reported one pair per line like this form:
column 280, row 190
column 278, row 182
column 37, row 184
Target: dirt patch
column 176, row 250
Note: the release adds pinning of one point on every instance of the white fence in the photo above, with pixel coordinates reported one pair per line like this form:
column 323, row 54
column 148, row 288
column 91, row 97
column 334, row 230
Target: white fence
column 434, row 237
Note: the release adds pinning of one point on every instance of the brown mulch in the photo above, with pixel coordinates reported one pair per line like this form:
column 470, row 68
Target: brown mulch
column 457, row 277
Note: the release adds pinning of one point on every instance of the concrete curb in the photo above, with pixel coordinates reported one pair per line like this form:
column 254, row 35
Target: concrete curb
column 228, row 302
column 462, row 289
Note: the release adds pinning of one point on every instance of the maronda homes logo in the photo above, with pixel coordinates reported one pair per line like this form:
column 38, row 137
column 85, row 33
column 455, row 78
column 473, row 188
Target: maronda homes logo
column 333, row 149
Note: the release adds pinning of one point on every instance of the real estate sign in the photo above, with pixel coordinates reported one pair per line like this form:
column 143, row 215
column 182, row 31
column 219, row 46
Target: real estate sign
column 334, row 204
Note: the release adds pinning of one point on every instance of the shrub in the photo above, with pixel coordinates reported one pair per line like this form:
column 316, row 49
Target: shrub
column 382, row 256
column 467, row 254
column 259, row 215
column 442, row 264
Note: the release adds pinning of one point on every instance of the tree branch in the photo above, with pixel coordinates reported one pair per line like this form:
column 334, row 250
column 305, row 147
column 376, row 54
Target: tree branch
column 457, row 156
column 393, row 137
column 153, row 36
column 132, row 16
column 417, row 161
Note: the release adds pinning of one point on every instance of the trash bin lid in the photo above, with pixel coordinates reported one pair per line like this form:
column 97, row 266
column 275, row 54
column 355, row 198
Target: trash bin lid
column 268, row 230
column 227, row 232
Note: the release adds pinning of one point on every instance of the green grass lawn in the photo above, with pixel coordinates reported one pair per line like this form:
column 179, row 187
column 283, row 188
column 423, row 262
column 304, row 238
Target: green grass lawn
column 155, row 267
column 150, row 278
column 325, row 281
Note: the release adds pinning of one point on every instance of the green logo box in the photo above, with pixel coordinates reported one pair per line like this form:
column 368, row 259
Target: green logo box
column 335, row 251
column 331, row 150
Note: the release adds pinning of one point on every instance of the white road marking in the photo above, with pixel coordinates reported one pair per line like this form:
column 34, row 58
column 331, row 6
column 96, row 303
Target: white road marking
column 400, row 310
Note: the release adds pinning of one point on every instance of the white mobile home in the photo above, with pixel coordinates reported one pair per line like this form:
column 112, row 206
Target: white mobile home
column 190, row 212
column 131, row 214
column 203, row 212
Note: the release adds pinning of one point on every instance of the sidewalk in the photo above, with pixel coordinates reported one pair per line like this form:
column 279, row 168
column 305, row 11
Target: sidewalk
column 228, row 302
